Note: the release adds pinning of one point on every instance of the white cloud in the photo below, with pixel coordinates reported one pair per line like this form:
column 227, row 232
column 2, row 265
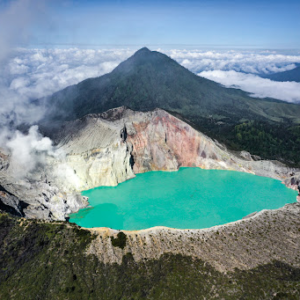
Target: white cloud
column 35, row 73
column 256, row 62
column 255, row 85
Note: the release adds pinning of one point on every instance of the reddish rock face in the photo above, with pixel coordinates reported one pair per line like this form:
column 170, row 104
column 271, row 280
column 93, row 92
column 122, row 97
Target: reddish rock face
column 160, row 141
column 164, row 142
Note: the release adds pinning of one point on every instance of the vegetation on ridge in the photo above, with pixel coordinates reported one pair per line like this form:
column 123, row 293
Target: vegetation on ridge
column 268, row 141
column 120, row 241
column 40, row 260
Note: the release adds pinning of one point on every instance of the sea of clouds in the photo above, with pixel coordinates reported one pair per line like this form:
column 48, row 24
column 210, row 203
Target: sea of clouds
column 241, row 69
column 247, row 61
column 35, row 73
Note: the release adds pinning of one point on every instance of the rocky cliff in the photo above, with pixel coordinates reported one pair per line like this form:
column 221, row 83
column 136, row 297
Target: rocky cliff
column 109, row 148
column 245, row 244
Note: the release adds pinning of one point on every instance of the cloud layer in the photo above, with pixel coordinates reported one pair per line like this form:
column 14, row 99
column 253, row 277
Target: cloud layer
column 35, row 73
column 256, row 62
column 255, row 85
column 40, row 72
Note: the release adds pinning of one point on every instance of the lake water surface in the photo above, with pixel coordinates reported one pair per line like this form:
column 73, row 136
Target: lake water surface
column 191, row 198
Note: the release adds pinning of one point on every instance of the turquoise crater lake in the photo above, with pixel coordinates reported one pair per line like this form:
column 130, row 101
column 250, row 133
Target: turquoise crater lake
column 191, row 198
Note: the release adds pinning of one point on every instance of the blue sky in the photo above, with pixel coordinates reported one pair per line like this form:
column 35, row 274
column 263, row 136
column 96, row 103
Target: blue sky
column 208, row 23
column 214, row 23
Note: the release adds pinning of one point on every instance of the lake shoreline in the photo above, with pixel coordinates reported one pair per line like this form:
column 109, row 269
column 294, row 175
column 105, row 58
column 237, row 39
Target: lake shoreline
column 195, row 188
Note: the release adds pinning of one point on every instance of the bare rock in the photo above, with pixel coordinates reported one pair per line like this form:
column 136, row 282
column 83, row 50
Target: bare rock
column 109, row 148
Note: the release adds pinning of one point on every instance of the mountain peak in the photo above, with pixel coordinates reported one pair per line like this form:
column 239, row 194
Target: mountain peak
column 143, row 50
column 144, row 58
column 143, row 53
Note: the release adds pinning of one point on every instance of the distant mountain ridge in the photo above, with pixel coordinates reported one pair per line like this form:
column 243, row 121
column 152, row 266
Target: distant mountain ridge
column 291, row 75
column 149, row 80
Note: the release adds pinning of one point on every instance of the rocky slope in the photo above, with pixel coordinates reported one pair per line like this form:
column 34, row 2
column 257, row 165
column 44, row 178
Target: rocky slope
column 245, row 244
column 109, row 148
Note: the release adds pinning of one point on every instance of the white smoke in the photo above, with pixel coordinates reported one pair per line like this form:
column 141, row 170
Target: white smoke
column 29, row 151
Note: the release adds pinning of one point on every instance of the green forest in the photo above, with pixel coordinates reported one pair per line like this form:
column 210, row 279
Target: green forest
column 273, row 141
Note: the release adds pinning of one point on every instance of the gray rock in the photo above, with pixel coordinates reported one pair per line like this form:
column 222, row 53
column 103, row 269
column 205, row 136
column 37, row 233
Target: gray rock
column 109, row 148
